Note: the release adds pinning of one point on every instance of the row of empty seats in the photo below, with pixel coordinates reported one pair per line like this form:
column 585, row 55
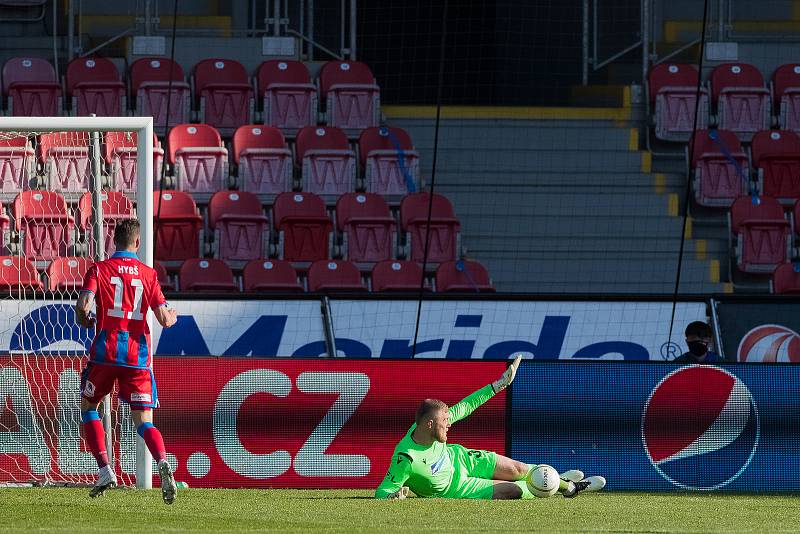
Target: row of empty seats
column 383, row 162
column 18, row 274
column 735, row 98
column 761, row 234
column 219, row 92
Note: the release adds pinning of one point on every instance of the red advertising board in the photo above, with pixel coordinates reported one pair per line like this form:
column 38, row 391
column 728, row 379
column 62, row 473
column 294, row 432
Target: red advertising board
column 240, row 422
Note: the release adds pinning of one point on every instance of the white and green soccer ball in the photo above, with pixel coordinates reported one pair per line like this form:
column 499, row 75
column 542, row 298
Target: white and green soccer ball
column 543, row 481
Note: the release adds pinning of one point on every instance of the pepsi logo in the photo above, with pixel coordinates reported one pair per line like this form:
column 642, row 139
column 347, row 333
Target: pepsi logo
column 769, row 343
column 700, row 427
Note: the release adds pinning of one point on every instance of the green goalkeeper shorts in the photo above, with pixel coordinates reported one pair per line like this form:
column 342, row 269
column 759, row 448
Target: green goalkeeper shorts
column 472, row 473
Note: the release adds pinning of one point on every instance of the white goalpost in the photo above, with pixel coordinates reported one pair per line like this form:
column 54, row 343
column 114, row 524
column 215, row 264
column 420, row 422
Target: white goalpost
column 54, row 182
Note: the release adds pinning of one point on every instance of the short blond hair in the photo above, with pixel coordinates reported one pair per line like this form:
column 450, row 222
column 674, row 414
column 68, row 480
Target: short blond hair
column 428, row 407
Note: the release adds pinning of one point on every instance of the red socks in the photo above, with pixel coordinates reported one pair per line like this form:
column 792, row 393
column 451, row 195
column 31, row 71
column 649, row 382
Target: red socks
column 95, row 436
column 155, row 442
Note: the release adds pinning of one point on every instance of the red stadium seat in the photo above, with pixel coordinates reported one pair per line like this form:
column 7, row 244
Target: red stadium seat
column 94, row 86
column 46, row 229
column 31, row 87
column 120, row 155
column 327, row 162
column 786, row 95
column 445, row 236
column 397, row 275
column 200, row 160
column 18, row 274
column 463, row 275
column 116, row 206
column 351, row 95
column 786, row 279
column 264, row 161
column 65, row 159
column 761, row 233
column 290, row 99
column 717, row 181
column 270, row 275
column 389, row 163
column 224, row 94
column 303, row 226
column 369, row 233
column 5, row 228
column 66, row 274
column 17, row 166
column 239, row 226
column 200, row 274
column 163, row 277
column 672, row 88
column 334, row 275
column 150, row 90
column 776, row 155
column 177, row 226
column 742, row 101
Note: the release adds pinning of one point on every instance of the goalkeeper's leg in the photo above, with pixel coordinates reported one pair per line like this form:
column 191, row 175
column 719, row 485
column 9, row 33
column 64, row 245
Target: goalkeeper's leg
column 506, row 468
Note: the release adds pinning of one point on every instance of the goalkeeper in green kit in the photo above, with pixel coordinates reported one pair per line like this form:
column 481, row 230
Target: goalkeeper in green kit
column 423, row 461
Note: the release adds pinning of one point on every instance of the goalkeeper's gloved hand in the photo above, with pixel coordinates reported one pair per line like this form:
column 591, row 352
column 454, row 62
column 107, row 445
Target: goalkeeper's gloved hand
column 402, row 493
column 504, row 381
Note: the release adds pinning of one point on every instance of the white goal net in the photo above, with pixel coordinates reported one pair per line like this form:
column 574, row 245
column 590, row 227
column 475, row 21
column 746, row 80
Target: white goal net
column 64, row 182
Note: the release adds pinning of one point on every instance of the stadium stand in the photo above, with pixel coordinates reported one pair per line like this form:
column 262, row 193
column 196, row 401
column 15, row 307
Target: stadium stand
column 120, row 156
column 93, row 85
column 368, row 231
column 164, row 279
column 761, row 234
column 66, row 274
column 741, row 99
column 720, row 168
column 200, row 274
column 64, row 157
column 327, row 164
column 150, row 89
column 224, row 94
column 397, row 276
column 445, row 236
column 289, row 97
column 351, row 95
column 270, row 275
column 31, row 88
column 786, row 279
column 463, row 275
column 17, row 166
column 45, row 227
column 238, row 227
column 302, row 226
column 18, row 274
column 776, row 157
column 263, row 161
column 116, row 206
column 672, row 91
column 333, row 276
column 786, row 95
column 177, row 227
column 199, row 158
column 389, row 163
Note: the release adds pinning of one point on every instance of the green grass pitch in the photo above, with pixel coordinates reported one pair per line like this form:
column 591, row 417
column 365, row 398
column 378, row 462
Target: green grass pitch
column 37, row 510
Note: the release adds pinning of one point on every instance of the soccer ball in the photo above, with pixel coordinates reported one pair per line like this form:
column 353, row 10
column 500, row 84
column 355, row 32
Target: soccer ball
column 543, row 481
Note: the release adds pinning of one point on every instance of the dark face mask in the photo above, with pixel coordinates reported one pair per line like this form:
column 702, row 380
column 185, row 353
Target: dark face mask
column 698, row 348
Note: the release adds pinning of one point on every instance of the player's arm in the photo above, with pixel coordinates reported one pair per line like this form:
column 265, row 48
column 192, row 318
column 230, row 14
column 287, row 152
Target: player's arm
column 83, row 308
column 463, row 408
column 165, row 314
column 392, row 485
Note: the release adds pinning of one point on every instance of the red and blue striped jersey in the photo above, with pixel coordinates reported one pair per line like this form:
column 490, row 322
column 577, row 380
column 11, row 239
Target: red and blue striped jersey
column 124, row 289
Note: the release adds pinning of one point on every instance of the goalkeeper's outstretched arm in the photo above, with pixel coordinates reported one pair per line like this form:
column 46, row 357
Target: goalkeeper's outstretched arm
column 392, row 485
column 463, row 408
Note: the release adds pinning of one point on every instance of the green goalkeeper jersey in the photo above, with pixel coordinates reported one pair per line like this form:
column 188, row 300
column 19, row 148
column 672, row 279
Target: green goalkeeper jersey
column 428, row 469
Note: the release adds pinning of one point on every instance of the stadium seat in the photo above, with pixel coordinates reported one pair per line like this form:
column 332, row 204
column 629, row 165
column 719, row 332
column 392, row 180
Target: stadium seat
column 224, row 94
column 164, row 279
column 5, row 229
column 263, row 161
column 786, row 279
column 177, row 226
column 290, row 99
column 445, row 236
column 786, row 95
column 240, row 228
column 94, row 86
column 66, row 274
column 720, row 167
column 328, row 164
column 116, row 206
column 31, row 88
column 17, row 166
column 333, row 276
column 199, row 159
column 776, row 156
column 397, row 275
column 369, row 233
column 46, row 230
column 761, row 233
column 150, row 90
column 200, row 274
column 18, row 274
column 463, row 275
column 351, row 94
column 741, row 100
column 672, row 90
column 270, row 275
column 120, row 156
column 64, row 157
column 389, row 163
column 303, row 227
